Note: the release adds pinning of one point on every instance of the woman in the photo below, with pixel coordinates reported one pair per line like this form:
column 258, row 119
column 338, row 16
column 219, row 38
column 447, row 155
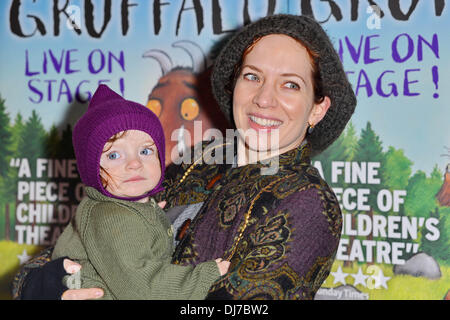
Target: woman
column 281, row 79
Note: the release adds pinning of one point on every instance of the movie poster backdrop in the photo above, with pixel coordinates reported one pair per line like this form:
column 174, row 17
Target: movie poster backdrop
column 390, row 169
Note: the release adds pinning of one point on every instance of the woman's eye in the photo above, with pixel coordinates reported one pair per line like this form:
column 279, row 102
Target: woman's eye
column 251, row 77
column 113, row 156
column 292, row 85
column 147, row 151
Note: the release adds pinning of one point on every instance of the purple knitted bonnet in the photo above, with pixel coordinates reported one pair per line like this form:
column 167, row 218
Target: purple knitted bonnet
column 107, row 114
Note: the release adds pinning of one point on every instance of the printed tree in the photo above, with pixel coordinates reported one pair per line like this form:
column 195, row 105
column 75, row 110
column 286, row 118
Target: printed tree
column 396, row 174
column 5, row 139
column 350, row 142
column 17, row 131
column 16, row 139
column 52, row 143
column 438, row 249
column 5, row 154
column 32, row 144
column 25, row 141
column 421, row 192
column 8, row 192
column 343, row 149
column 368, row 149
column 397, row 169
column 421, row 202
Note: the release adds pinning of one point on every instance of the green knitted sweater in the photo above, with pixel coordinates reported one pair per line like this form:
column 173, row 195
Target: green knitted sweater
column 125, row 248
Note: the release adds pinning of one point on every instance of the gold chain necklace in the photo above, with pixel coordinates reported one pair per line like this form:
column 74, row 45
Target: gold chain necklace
column 191, row 167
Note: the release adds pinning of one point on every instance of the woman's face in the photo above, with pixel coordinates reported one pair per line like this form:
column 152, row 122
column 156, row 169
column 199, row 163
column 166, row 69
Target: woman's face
column 274, row 94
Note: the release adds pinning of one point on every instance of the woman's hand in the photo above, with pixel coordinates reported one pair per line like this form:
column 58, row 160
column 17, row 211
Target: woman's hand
column 71, row 267
column 223, row 266
column 78, row 294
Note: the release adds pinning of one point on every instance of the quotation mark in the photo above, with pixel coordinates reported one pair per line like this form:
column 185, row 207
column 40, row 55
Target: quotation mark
column 15, row 163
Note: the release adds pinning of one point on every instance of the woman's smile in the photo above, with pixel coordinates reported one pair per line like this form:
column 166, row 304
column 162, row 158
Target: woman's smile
column 259, row 122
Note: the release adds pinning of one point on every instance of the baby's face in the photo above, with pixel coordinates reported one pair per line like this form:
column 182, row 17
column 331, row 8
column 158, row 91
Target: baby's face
column 132, row 165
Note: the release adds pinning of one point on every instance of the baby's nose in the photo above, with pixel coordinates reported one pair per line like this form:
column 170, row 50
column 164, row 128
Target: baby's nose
column 134, row 163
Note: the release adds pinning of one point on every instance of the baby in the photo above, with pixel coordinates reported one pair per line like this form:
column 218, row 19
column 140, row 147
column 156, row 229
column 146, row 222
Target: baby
column 119, row 235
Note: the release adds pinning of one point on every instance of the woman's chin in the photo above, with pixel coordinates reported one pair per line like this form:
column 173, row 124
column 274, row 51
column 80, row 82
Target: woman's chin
column 262, row 145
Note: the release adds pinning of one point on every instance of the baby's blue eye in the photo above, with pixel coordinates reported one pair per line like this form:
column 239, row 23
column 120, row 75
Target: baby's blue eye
column 113, row 156
column 147, row 152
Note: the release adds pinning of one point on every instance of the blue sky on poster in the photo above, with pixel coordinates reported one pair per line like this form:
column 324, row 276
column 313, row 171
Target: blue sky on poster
column 416, row 124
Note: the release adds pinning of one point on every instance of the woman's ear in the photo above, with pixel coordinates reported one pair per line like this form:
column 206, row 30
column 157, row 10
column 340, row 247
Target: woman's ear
column 319, row 110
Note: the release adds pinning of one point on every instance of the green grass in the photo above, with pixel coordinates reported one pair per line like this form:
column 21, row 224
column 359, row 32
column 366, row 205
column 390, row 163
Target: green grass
column 9, row 263
column 400, row 287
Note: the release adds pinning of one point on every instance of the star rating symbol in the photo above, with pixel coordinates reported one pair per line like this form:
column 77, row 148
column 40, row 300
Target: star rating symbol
column 24, row 257
column 381, row 280
column 339, row 276
column 360, row 278
column 375, row 279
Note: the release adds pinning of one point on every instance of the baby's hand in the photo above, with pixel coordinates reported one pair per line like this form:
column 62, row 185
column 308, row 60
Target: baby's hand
column 223, row 266
column 162, row 204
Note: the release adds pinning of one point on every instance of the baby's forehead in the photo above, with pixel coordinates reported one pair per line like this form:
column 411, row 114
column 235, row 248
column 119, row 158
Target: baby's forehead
column 131, row 136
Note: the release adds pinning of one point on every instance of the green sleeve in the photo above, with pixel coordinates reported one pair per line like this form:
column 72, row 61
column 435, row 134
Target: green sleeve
column 132, row 255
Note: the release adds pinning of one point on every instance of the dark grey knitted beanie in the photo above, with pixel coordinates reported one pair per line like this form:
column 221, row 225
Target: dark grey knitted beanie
column 334, row 79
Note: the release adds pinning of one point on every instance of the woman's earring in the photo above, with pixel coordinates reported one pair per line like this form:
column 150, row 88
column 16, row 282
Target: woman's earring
column 310, row 128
